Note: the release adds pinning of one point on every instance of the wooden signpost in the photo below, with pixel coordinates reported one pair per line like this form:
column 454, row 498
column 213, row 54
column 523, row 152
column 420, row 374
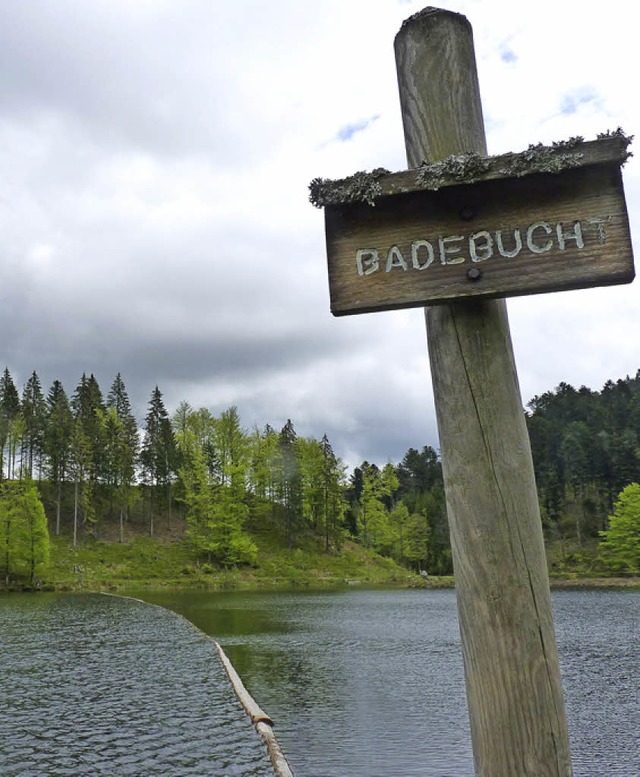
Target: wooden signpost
column 547, row 219
column 464, row 233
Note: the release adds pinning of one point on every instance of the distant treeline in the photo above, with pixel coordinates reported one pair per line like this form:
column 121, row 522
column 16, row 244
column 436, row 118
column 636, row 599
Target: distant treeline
column 100, row 472
column 586, row 450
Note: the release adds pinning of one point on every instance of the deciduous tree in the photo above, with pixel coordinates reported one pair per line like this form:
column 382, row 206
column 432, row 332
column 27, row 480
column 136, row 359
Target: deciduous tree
column 621, row 541
column 24, row 535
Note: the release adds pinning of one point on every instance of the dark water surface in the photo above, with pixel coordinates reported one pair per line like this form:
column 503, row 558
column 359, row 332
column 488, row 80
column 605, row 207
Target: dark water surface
column 370, row 683
column 97, row 685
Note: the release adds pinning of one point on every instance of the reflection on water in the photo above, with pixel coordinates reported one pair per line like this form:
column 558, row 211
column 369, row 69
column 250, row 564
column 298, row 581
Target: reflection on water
column 95, row 685
column 370, row 683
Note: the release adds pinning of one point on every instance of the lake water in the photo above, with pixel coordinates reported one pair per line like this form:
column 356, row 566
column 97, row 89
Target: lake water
column 97, row 685
column 360, row 683
column 367, row 683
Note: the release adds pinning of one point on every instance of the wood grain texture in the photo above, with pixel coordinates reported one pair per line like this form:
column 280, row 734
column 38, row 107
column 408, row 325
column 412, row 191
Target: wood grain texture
column 478, row 216
column 511, row 666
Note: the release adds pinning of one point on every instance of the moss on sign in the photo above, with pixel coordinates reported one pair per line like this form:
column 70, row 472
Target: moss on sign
column 366, row 187
column 360, row 187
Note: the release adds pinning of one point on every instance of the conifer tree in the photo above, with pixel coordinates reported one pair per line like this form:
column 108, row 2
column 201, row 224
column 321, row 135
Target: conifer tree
column 333, row 487
column 57, row 441
column 88, row 450
column 34, row 413
column 158, row 456
column 122, row 448
column 88, row 407
column 9, row 412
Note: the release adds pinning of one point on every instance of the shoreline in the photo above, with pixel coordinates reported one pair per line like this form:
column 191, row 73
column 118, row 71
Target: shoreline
column 275, row 585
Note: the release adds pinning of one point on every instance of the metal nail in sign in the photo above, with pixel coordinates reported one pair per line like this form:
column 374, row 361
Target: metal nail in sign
column 550, row 218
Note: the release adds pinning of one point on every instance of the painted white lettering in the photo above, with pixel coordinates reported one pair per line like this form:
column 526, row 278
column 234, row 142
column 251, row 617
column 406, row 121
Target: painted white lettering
column 446, row 249
column 539, row 249
column 575, row 235
column 517, row 238
column 600, row 230
column 479, row 253
column 367, row 260
column 395, row 259
column 415, row 254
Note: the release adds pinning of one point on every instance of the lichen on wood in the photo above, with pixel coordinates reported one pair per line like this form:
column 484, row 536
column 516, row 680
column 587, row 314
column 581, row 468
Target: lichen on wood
column 619, row 133
column 363, row 186
column 463, row 168
column 539, row 158
column 468, row 168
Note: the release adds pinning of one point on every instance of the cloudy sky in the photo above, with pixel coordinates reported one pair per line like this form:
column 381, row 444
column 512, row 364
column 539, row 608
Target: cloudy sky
column 155, row 157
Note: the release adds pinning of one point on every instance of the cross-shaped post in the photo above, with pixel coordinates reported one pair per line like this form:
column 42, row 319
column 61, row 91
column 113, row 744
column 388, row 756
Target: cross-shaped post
column 460, row 234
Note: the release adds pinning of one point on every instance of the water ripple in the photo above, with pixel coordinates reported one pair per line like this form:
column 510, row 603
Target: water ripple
column 97, row 685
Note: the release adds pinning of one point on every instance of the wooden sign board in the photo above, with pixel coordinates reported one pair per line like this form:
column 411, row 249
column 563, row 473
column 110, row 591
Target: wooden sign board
column 549, row 219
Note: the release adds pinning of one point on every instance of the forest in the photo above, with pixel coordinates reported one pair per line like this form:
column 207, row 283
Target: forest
column 83, row 467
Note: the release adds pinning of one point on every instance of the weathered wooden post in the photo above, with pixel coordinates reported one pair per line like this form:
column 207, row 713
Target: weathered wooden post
column 460, row 231
column 514, row 691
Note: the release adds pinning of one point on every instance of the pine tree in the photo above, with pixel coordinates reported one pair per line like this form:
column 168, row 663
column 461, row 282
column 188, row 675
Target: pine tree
column 88, row 407
column 9, row 412
column 333, row 487
column 57, row 441
column 34, row 413
column 123, row 443
column 158, row 456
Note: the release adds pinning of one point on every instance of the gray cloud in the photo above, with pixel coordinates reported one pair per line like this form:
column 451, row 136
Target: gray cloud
column 154, row 217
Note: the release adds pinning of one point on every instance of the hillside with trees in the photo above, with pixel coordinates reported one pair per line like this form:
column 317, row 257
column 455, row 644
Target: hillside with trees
column 586, row 450
column 80, row 468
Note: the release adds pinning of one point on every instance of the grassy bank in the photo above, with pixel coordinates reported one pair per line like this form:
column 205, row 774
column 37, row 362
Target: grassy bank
column 166, row 562
column 149, row 563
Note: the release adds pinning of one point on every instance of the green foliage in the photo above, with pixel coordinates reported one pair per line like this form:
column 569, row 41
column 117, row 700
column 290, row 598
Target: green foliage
column 621, row 541
column 417, row 542
column 34, row 412
column 237, row 490
column 215, row 504
column 24, row 534
column 586, row 449
column 9, row 421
